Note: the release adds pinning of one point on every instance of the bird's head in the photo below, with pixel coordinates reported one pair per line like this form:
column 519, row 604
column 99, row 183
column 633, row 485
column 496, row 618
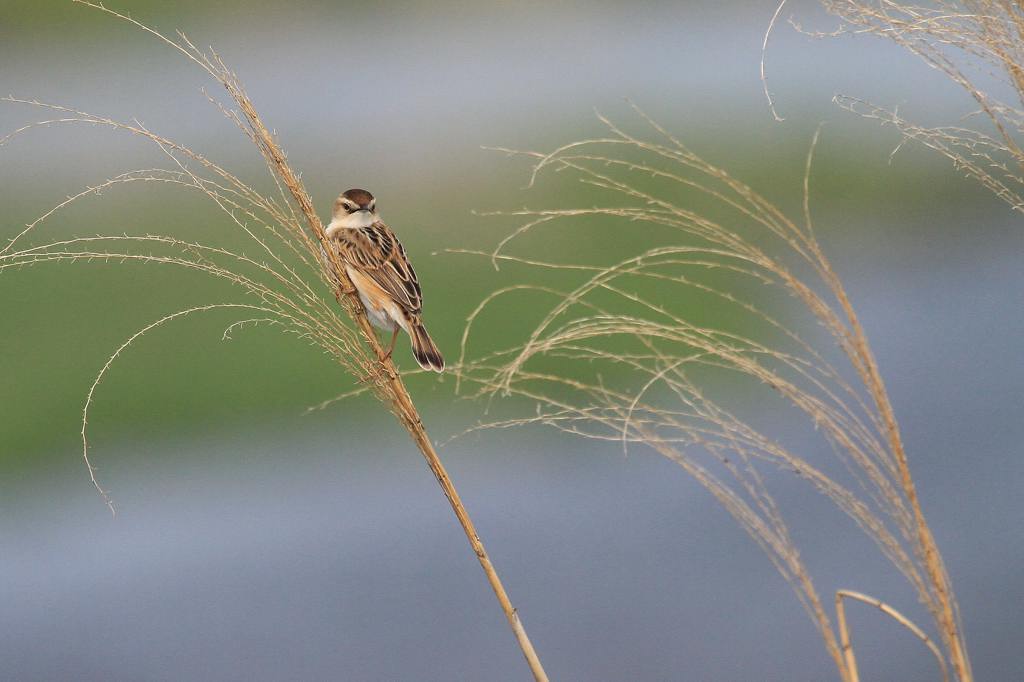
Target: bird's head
column 353, row 208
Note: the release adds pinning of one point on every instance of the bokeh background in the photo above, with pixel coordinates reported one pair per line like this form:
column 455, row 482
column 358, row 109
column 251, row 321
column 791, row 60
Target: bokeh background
column 255, row 541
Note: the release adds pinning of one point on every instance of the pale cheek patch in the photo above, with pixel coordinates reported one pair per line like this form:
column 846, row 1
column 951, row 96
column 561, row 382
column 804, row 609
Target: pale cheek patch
column 349, row 221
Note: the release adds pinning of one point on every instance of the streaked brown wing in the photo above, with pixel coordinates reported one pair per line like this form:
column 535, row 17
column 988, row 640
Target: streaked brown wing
column 376, row 252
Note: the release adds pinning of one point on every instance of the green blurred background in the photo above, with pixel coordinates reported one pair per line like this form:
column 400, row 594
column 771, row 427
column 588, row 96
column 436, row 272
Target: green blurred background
column 422, row 157
column 400, row 98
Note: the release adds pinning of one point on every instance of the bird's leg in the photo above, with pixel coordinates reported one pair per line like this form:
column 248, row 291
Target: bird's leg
column 391, row 347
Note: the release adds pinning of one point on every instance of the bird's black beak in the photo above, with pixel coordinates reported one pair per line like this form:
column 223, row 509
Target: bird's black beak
column 365, row 208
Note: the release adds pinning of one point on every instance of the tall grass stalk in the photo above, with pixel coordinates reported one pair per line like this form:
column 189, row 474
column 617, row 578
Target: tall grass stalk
column 283, row 283
column 620, row 354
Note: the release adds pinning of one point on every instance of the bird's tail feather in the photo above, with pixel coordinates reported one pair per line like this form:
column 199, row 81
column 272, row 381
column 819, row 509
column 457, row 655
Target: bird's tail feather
column 423, row 348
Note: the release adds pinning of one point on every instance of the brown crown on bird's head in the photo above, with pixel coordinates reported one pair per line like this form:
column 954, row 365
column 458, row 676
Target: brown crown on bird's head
column 353, row 200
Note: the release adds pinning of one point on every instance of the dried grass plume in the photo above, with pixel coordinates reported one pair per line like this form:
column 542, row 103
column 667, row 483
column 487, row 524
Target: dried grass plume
column 637, row 351
column 283, row 282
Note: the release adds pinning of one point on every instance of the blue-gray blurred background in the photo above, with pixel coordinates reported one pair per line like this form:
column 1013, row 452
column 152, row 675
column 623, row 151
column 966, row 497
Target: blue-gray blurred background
column 257, row 542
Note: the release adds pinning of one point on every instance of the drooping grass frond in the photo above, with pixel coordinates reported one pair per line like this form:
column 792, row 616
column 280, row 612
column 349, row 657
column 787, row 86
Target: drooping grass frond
column 672, row 345
column 284, row 284
column 979, row 46
column 117, row 353
column 844, row 633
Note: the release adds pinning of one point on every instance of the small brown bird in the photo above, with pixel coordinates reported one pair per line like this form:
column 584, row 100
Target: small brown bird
column 376, row 263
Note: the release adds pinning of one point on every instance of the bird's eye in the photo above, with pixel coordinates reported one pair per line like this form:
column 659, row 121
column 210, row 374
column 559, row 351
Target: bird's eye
column 349, row 208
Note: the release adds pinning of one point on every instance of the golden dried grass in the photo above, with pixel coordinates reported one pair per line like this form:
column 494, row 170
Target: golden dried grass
column 979, row 46
column 283, row 284
column 618, row 356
